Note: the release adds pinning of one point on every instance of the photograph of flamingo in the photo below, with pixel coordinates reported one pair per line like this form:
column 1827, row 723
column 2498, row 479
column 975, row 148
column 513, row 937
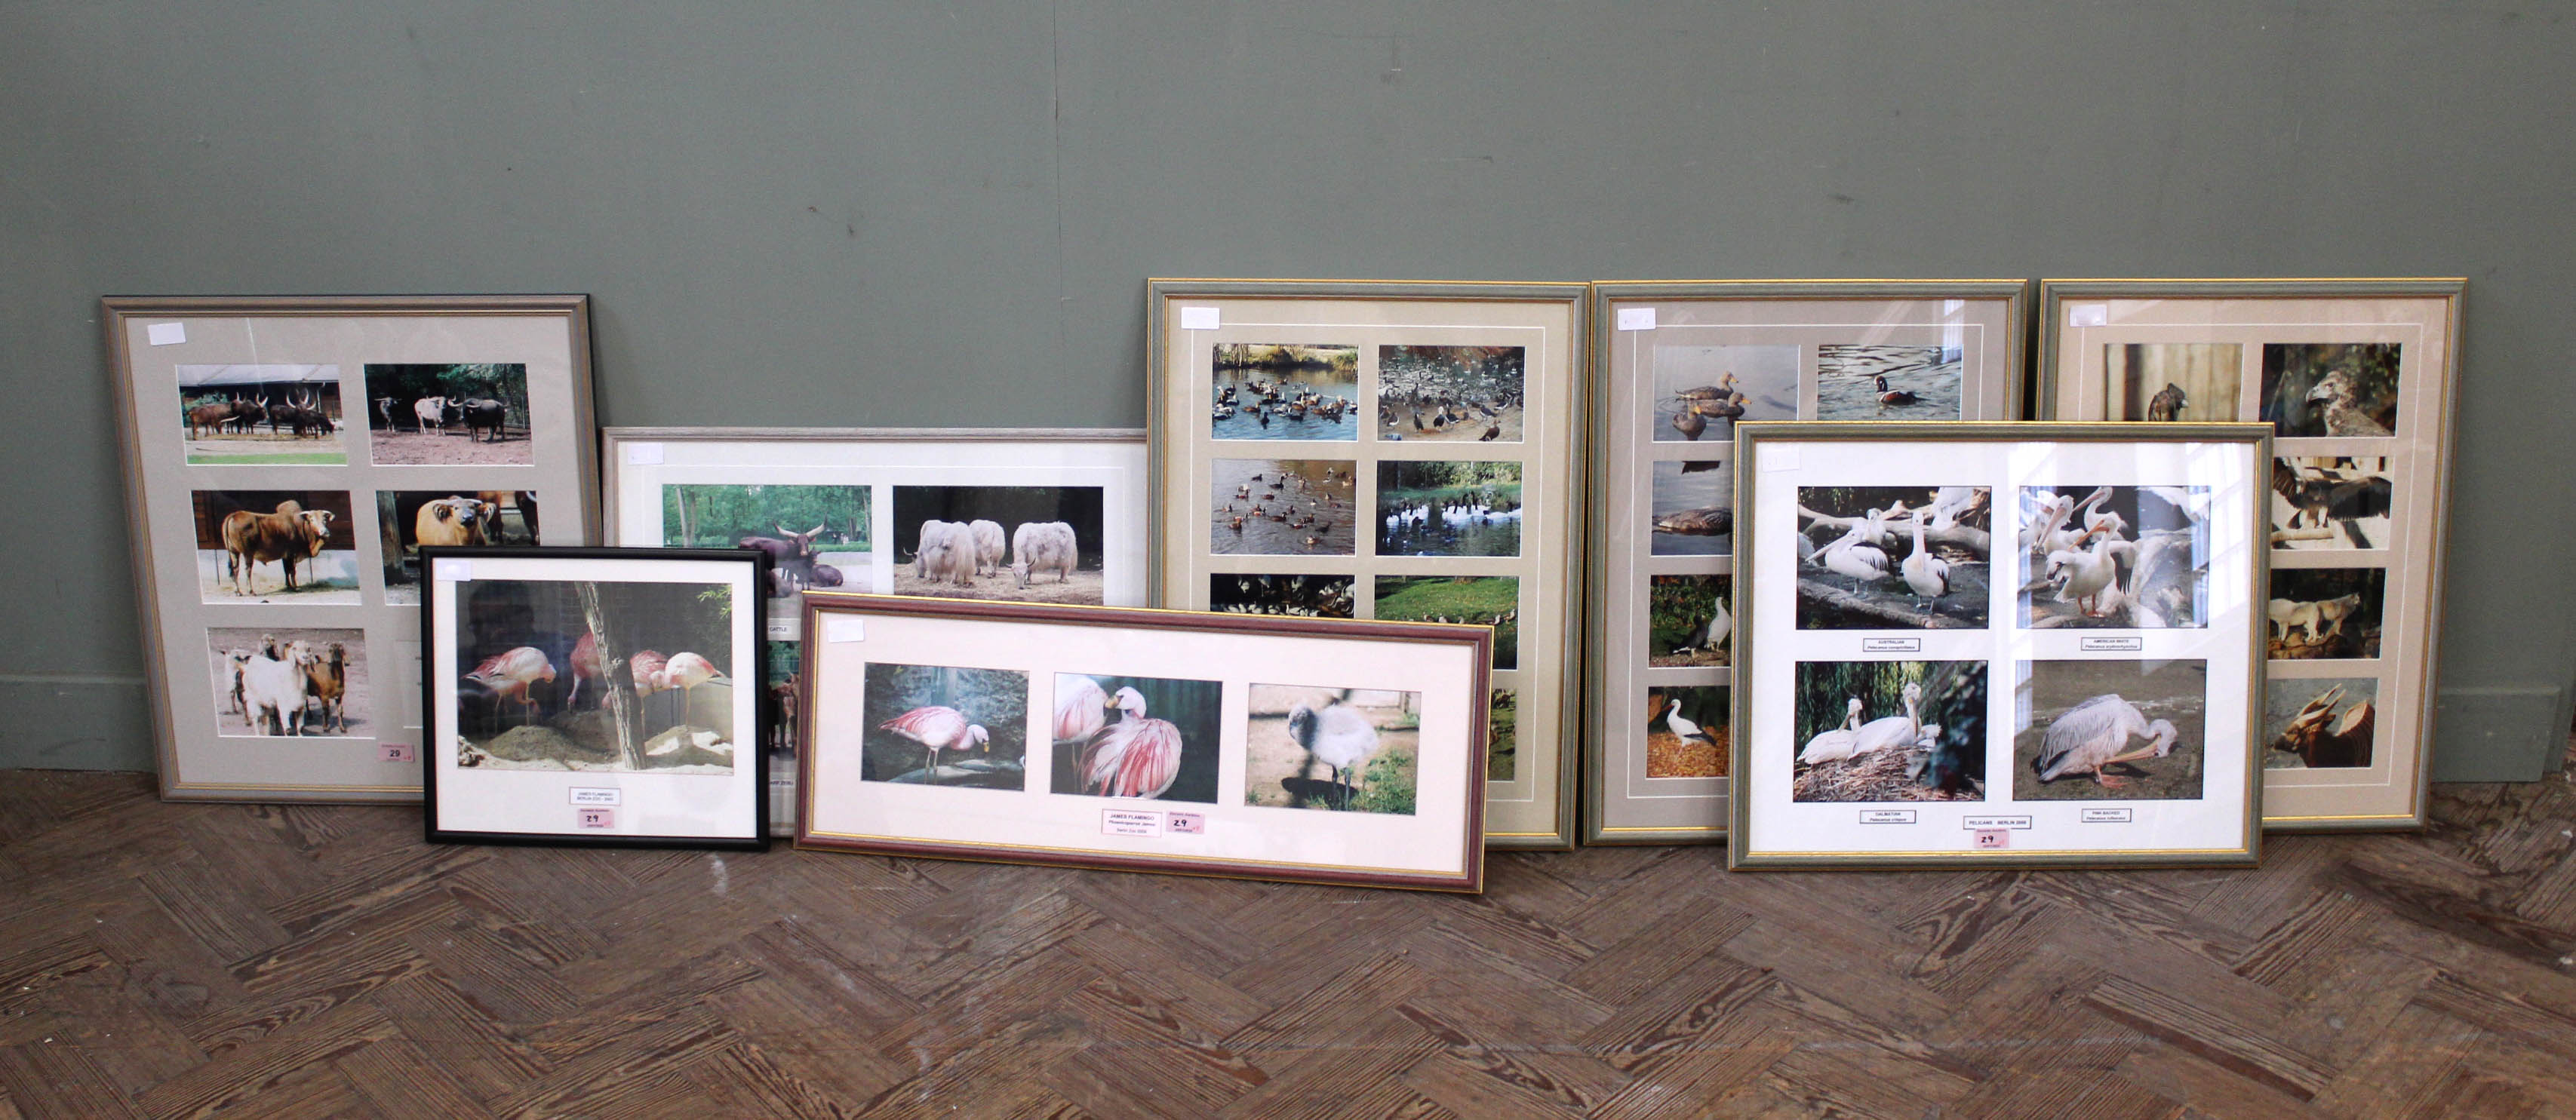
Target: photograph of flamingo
column 276, row 546
column 290, row 681
column 2114, row 557
column 224, row 409
column 2331, row 501
column 1688, row 624
column 1283, row 507
column 1149, row 738
column 596, row 676
column 2317, row 723
column 1876, row 731
column 1475, row 600
column 1866, row 382
column 1701, row 391
column 944, row 726
column 1692, row 509
column 1344, row 749
column 1029, row 544
column 2330, row 389
column 2195, row 382
column 1300, row 596
column 1450, row 393
column 408, row 519
column 2323, row 613
column 1446, row 508
column 1285, row 391
column 1894, row 557
column 2110, row 730
column 449, row 414
column 1502, row 735
column 814, row 536
column 1689, row 729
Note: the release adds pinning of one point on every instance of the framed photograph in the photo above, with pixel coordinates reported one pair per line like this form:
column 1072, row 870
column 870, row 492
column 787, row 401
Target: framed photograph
column 1675, row 366
column 1387, row 451
column 594, row 696
column 285, row 461
column 1996, row 644
column 1262, row 747
column 1040, row 515
column 2356, row 379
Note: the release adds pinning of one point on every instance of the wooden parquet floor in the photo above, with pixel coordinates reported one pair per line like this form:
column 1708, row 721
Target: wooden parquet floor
column 195, row 960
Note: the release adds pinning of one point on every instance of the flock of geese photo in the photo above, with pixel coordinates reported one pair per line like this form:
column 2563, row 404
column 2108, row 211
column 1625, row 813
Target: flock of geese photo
column 1291, row 507
column 1450, row 393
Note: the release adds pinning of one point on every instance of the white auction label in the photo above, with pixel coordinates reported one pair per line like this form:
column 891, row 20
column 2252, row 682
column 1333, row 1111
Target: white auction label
column 783, row 628
column 455, row 571
column 1636, row 318
column 166, row 334
column 1131, row 822
column 2088, row 314
column 844, row 628
column 1200, row 318
column 643, row 454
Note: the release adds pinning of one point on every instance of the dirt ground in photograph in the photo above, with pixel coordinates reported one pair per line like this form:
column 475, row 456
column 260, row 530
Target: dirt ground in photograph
column 1667, row 756
column 268, row 579
column 438, row 449
column 1084, row 587
column 1271, row 757
column 2174, row 692
column 357, row 704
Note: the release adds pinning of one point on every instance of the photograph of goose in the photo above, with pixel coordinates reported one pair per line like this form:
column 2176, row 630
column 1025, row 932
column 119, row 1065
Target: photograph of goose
column 1142, row 737
column 276, row 546
column 1285, row 391
column 1688, row 731
column 448, row 414
column 1283, row 507
column 944, row 726
column 1475, row 600
column 2114, row 557
column 1300, row 596
column 1502, row 736
column 1348, row 749
column 1701, row 391
column 1894, row 557
column 596, row 676
column 2331, row 501
column 1692, row 509
column 222, row 409
column 814, row 536
column 2173, row 381
column 1035, row 544
column 2318, row 723
column 1868, row 382
column 2110, row 730
column 1688, row 624
column 2321, row 613
column 2330, row 388
column 1446, row 508
column 1450, row 393
column 1890, row 731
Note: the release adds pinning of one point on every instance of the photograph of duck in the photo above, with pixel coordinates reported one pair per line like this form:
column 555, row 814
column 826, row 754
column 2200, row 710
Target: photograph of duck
column 1889, row 731
column 1894, row 557
column 1691, row 509
column 1688, row 731
column 1874, row 382
column 2323, row 613
column 1284, row 391
column 1473, row 600
column 1297, row 596
column 1688, row 624
column 1502, row 735
column 2316, row 723
column 944, row 726
column 1343, row 749
column 2330, row 389
column 2114, row 557
column 1150, row 738
column 1284, row 507
column 1428, row 507
column 2331, row 501
column 2173, row 382
column 1699, row 392
column 1450, row 394
column 2110, row 730
column 570, row 675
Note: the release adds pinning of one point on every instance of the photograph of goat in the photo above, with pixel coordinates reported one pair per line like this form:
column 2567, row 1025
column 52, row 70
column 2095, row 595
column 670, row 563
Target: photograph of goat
column 2321, row 613
column 2110, row 730
column 1347, row 749
column 408, row 519
column 1031, row 544
column 573, row 675
column 290, row 682
column 815, row 536
column 448, row 414
column 2332, row 501
column 1142, row 737
column 223, row 409
column 944, row 725
column 276, row 546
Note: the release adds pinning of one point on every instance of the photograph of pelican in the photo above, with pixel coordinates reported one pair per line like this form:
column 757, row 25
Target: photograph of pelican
column 596, row 676
column 280, row 681
column 1431, row 507
column 1688, row 731
column 1285, row 391
column 1688, row 624
column 1347, row 749
column 2321, row 613
column 2331, row 501
column 1867, row 382
column 2110, row 730
column 1474, row 600
column 1502, row 736
column 2195, row 382
column 2114, row 557
column 1692, row 509
column 1894, row 557
column 1299, row 596
column 1701, row 391
column 1890, row 731
column 944, row 726
column 1450, row 393
column 2317, row 723
column 1142, row 737
column 2330, row 389
column 1283, row 507
column 1028, row 544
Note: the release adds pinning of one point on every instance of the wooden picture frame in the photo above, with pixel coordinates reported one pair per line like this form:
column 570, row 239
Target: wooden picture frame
column 1304, row 750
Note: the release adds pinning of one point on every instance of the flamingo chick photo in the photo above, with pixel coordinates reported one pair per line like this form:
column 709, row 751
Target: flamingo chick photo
column 1141, row 737
column 1335, row 749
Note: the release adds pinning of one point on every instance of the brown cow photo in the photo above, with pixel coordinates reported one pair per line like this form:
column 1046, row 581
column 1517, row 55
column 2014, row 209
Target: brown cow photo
column 445, row 414
column 290, row 682
column 408, row 519
column 265, row 415
column 276, row 546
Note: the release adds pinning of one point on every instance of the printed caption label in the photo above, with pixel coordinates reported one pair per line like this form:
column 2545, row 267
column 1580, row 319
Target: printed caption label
column 1130, row 822
column 1887, row 816
column 783, row 629
column 1200, row 318
column 166, row 334
column 1191, row 824
column 1981, row 824
column 2111, row 645
column 594, row 818
column 1989, row 839
column 396, row 752
column 597, row 796
column 2107, row 816
column 1891, row 645
column 1636, row 318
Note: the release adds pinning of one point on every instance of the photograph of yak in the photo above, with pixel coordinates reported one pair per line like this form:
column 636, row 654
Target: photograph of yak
column 2110, row 730
column 945, row 726
column 1140, row 737
column 1297, row 596
column 1866, row 382
column 2330, row 389
column 276, row 546
column 1446, row 508
column 1687, row 621
column 1692, row 509
column 1285, row 391
column 2331, row 501
column 1347, row 749
column 2317, row 723
column 261, row 414
column 2320, row 613
column 1894, row 557
column 815, row 536
column 1890, row 731
column 1502, row 735
column 1029, row 544
column 598, row 676
column 448, row 414
column 282, row 681
column 2114, row 557
column 408, row 519
column 1283, row 507
column 1475, row 600
column 2194, row 382
column 1689, row 730
column 1701, row 391
column 1450, row 393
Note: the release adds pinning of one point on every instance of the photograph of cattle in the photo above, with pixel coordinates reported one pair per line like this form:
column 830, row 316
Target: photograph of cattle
column 1030, row 544
column 2173, row 381
column 439, row 415
column 264, row 415
column 276, row 546
column 815, row 536
column 289, row 682
column 595, row 676
column 408, row 519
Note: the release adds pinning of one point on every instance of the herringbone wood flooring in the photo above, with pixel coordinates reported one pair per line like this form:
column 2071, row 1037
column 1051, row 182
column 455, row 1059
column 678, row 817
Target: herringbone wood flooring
column 188, row 960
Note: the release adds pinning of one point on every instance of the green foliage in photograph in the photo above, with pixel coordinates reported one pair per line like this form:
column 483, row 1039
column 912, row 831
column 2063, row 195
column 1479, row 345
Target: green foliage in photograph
column 719, row 516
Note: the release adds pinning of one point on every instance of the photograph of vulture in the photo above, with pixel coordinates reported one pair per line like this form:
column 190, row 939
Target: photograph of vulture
column 2340, row 389
column 2170, row 382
